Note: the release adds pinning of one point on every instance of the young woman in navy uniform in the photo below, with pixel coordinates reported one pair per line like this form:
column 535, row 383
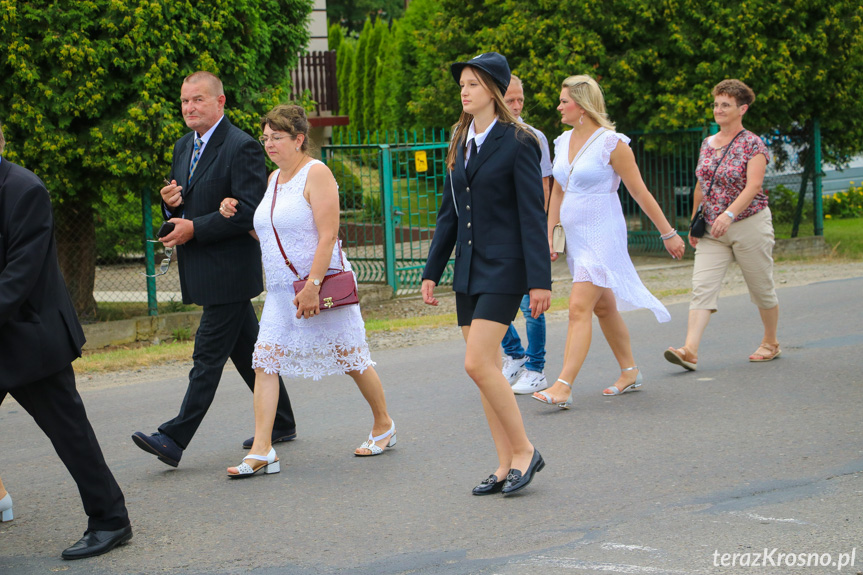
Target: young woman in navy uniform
column 492, row 214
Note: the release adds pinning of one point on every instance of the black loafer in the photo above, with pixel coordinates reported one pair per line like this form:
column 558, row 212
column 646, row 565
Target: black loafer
column 517, row 480
column 488, row 486
column 97, row 542
column 278, row 437
column 159, row 445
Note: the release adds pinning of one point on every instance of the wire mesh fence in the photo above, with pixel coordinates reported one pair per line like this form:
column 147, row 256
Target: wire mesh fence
column 390, row 188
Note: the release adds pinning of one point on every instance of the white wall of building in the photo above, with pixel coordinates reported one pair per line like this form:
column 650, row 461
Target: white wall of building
column 318, row 27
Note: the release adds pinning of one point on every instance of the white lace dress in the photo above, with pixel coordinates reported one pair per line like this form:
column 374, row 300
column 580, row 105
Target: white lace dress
column 594, row 225
column 332, row 342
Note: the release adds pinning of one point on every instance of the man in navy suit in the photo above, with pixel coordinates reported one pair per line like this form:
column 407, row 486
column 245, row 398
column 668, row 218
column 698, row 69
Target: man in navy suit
column 39, row 338
column 219, row 261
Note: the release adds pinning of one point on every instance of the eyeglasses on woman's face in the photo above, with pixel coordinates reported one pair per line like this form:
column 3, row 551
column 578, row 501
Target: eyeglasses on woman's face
column 272, row 138
column 724, row 106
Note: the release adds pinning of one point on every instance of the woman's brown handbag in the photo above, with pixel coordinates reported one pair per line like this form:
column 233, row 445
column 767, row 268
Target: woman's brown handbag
column 337, row 290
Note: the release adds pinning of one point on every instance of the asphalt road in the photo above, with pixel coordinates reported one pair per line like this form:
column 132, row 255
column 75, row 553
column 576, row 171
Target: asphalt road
column 734, row 458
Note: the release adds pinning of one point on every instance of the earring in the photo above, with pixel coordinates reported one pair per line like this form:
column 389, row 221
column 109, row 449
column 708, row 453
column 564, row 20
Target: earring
column 581, row 120
column 297, row 149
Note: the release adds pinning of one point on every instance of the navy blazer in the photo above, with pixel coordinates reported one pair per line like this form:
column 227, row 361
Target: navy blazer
column 39, row 330
column 222, row 263
column 497, row 223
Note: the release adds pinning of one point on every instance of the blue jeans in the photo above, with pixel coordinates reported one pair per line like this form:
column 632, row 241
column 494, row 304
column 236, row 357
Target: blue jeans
column 535, row 339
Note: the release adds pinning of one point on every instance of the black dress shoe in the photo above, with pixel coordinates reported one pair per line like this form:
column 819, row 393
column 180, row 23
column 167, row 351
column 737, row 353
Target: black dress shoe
column 159, row 445
column 488, row 486
column 278, row 437
column 97, row 542
column 517, row 480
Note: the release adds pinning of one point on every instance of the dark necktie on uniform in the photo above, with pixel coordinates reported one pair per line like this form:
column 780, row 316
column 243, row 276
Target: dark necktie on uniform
column 473, row 152
column 196, row 154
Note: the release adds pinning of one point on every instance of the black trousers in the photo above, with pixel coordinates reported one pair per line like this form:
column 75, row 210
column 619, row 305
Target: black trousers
column 226, row 330
column 57, row 408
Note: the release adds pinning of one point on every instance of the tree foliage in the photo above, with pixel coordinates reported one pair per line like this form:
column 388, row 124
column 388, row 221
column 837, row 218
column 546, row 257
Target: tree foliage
column 656, row 61
column 358, row 67
column 90, row 94
column 353, row 13
column 378, row 38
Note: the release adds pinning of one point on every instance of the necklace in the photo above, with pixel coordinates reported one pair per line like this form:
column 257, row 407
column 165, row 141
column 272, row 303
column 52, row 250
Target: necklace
column 294, row 170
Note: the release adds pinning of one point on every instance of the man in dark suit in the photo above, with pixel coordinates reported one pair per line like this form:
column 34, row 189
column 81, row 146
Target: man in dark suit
column 39, row 338
column 219, row 261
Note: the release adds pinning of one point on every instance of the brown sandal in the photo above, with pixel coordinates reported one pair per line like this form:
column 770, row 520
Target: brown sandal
column 772, row 349
column 682, row 357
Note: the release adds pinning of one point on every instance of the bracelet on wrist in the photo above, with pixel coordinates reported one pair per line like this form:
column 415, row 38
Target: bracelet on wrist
column 669, row 235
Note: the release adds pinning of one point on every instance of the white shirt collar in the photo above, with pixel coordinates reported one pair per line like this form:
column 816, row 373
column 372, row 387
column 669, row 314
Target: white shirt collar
column 480, row 138
column 209, row 133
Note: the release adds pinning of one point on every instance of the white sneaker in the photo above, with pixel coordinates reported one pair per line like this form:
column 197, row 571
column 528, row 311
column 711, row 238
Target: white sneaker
column 529, row 382
column 512, row 368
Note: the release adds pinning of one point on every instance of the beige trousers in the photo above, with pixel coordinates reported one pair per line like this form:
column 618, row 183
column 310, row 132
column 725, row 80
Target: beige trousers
column 749, row 242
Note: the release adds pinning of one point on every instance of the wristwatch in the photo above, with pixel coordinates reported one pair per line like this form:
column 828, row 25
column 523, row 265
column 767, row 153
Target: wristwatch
column 316, row 282
column 730, row 214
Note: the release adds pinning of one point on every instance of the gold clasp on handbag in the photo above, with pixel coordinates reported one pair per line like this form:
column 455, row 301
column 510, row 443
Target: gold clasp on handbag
column 328, row 302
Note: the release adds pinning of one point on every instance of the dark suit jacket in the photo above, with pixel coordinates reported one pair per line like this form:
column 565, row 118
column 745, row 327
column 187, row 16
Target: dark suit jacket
column 39, row 330
column 500, row 233
column 222, row 263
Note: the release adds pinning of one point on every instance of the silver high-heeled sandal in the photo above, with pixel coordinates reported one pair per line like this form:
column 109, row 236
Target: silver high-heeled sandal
column 610, row 391
column 271, row 465
column 6, row 509
column 544, row 397
column 376, row 449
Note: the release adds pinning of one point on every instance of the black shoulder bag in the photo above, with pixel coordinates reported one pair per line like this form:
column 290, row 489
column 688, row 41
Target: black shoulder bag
column 698, row 226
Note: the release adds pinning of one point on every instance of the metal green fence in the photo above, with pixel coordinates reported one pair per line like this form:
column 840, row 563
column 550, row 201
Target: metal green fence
column 389, row 192
column 667, row 161
column 390, row 196
column 391, row 186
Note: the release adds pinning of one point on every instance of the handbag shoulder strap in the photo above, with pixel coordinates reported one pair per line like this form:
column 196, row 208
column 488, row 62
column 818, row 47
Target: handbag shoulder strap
column 727, row 149
column 581, row 151
column 279, row 242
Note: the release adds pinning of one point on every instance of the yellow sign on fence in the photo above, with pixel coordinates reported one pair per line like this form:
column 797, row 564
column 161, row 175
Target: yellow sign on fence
column 421, row 161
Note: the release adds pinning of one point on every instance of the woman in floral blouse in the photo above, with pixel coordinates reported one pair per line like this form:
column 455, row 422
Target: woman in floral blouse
column 730, row 172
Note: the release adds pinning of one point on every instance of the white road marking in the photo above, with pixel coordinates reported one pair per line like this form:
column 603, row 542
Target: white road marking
column 573, row 563
column 608, row 546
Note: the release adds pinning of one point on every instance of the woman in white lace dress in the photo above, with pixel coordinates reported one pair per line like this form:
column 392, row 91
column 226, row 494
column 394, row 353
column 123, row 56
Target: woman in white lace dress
column 295, row 338
column 589, row 163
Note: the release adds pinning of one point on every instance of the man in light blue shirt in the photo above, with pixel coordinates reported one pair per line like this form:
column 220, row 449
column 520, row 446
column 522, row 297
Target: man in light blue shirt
column 524, row 368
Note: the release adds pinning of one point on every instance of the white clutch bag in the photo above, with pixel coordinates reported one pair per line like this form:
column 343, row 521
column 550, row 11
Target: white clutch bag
column 558, row 239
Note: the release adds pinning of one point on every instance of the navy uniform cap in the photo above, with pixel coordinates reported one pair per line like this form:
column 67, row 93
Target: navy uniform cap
column 492, row 63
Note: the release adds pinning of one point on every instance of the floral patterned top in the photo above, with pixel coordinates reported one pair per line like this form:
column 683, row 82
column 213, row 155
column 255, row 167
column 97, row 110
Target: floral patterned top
column 730, row 178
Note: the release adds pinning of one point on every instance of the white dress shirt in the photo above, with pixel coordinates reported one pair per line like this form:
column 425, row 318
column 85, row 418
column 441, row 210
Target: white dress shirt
column 480, row 138
column 206, row 138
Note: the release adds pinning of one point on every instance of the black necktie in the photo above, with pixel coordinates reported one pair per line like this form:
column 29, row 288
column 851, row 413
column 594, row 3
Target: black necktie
column 473, row 151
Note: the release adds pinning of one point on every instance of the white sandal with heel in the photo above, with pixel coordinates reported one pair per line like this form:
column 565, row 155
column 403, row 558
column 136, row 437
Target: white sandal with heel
column 544, row 397
column 611, row 391
column 6, row 508
column 271, row 465
column 376, row 449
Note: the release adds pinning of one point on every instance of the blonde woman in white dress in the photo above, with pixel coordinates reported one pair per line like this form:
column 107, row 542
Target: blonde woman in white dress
column 295, row 338
column 590, row 162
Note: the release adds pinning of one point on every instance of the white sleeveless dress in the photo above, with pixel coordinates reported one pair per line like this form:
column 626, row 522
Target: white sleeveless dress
column 332, row 342
column 592, row 219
